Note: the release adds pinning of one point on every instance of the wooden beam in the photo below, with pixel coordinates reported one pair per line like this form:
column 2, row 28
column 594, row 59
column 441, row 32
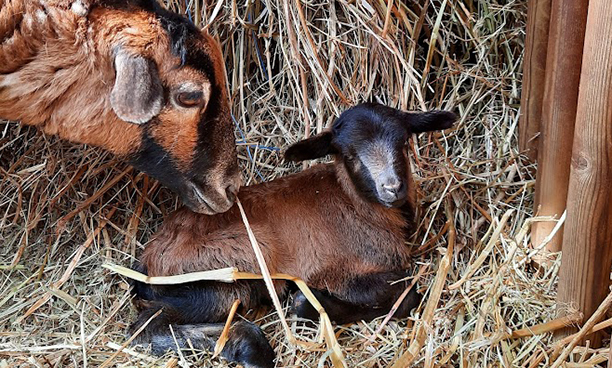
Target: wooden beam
column 584, row 276
column 564, row 58
column 534, row 73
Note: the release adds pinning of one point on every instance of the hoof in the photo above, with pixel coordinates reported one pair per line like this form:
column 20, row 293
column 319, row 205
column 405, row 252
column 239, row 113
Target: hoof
column 413, row 299
column 302, row 307
column 248, row 346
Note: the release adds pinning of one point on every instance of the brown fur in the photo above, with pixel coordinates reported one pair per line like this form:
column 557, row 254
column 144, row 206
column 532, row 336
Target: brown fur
column 62, row 90
column 57, row 72
column 340, row 227
column 49, row 90
column 306, row 226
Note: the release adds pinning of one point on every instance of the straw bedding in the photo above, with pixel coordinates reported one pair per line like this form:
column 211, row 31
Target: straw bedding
column 293, row 66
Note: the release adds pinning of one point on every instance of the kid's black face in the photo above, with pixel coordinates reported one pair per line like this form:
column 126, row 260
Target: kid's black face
column 371, row 139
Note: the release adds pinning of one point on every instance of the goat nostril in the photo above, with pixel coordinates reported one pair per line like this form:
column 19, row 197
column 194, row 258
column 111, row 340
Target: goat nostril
column 231, row 191
column 393, row 188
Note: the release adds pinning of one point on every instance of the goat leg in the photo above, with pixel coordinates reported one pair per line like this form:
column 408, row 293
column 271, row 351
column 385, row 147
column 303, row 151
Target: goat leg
column 365, row 298
column 246, row 343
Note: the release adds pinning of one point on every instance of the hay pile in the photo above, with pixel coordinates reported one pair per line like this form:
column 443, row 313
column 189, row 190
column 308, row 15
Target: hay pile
column 293, row 66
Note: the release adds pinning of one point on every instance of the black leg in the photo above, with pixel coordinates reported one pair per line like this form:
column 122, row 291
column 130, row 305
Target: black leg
column 365, row 298
column 196, row 312
column 246, row 343
column 203, row 301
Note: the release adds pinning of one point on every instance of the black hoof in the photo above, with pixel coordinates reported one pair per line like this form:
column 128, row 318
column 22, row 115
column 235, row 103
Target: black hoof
column 302, row 307
column 248, row 346
column 412, row 300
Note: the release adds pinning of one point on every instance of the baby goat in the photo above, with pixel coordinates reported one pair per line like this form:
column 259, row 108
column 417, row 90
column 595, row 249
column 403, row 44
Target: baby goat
column 128, row 76
column 340, row 227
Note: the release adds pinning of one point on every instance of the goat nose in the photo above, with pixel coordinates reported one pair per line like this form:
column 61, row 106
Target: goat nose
column 394, row 187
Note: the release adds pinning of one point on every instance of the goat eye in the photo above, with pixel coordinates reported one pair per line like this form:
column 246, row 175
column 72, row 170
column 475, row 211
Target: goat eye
column 189, row 99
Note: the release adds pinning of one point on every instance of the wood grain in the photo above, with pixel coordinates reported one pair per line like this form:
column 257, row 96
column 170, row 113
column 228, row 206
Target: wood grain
column 584, row 276
column 564, row 59
column 534, row 73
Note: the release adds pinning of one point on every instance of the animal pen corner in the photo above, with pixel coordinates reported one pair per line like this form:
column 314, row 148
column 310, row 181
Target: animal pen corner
column 566, row 126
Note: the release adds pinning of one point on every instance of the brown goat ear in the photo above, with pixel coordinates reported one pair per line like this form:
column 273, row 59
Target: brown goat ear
column 420, row 122
column 137, row 95
column 309, row 149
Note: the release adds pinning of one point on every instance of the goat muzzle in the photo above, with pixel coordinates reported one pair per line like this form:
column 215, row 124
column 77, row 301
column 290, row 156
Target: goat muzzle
column 212, row 199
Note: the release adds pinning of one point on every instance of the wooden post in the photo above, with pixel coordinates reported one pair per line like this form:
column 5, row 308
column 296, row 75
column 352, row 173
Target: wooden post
column 565, row 44
column 534, row 72
column 584, row 276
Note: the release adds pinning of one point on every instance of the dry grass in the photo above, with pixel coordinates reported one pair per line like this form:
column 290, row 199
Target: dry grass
column 292, row 67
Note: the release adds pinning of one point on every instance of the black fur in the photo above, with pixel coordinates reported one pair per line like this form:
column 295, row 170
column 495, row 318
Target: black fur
column 208, row 148
column 356, row 305
column 249, row 346
column 246, row 345
column 199, row 301
column 363, row 123
column 311, row 148
column 186, row 306
column 178, row 32
column 431, row 120
column 148, row 160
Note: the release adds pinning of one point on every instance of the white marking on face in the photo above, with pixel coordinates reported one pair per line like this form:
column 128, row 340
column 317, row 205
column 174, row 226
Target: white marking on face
column 79, row 8
column 41, row 16
column 28, row 21
column 378, row 158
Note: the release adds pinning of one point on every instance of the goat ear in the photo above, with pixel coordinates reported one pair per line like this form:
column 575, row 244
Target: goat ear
column 137, row 95
column 314, row 147
column 420, row 122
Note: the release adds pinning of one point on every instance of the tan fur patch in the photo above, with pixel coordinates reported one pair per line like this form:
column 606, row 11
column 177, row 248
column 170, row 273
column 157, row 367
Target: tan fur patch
column 180, row 139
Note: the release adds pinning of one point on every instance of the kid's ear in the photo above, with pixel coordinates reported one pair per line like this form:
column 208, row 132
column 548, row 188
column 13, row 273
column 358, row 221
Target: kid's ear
column 309, row 149
column 419, row 122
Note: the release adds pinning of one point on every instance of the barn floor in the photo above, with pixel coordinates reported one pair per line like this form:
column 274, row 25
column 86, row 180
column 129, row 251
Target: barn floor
column 67, row 209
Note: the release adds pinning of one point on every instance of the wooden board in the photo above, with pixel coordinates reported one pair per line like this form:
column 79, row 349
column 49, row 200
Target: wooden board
column 584, row 276
column 534, row 73
column 564, row 58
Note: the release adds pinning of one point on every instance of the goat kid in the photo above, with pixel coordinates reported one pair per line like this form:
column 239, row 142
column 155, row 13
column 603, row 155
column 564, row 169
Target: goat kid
column 127, row 76
column 340, row 227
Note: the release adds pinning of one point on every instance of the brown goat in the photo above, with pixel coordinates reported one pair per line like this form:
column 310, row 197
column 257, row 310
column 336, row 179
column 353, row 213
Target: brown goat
column 340, row 227
column 127, row 76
